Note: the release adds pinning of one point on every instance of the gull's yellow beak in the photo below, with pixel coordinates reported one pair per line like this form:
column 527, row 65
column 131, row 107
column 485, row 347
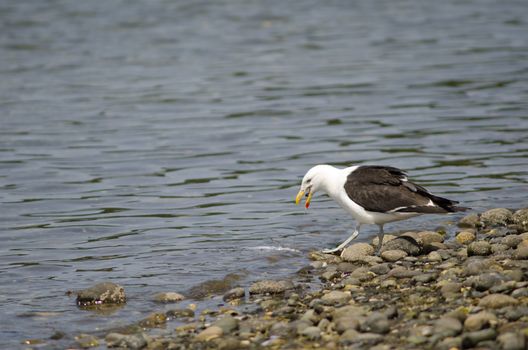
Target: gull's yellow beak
column 301, row 194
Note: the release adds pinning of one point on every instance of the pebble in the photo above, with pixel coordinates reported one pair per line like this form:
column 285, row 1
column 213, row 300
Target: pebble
column 521, row 253
column 434, row 257
column 480, row 248
column 447, row 327
column 180, row 313
column 133, row 341
column 312, row 333
column 336, row 297
column 393, row 255
column 406, row 243
column 101, row 293
column 479, row 321
column 465, row 237
column 227, row 324
column 430, row 237
column 512, row 341
column 380, row 269
column 357, row 252
column 451, row 289
column 496, row 217
column 471, row 339
column 235, row 293
column 270, row 286
column 471, row 220
column 376, row 322
column 168, row 297
column 209, row 333
column 86, row 341
column 497, row 301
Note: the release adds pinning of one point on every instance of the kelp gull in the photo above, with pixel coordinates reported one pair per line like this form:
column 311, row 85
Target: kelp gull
column 372, row 195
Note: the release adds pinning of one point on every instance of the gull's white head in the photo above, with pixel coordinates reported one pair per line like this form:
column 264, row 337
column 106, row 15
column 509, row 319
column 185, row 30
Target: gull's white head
column 315, row 179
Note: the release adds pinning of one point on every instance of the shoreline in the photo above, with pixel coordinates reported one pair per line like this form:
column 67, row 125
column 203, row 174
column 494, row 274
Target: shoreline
column 422, row 292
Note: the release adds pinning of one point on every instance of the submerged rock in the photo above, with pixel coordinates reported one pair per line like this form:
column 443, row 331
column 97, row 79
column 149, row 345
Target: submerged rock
column 235, row 293
column 101, row 293
column 133, row 341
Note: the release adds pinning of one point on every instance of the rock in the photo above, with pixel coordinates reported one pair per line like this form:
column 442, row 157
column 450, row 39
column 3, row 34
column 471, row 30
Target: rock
column 87, row 341
column 357, row 252
column 465, row 237
column 471, row 339
column 101, row 293
column 497, row 301
column 520, row 218
column 498, row 248
column 475, row 266
column 362, row 274
column 342, row 324
column 480, row 248
column 336, row 297
column 235, row 293
column 511, row 241
column 312, row 333
column 227, row 324
column 376, row 322
column 406, row 243
column 155, row 319
column 327, row 258
column 512, row 341
column 168, row 297
column 487, row 280
column 380, row 269
column 449, row 343
column 434, row 257
column 481, row 320
column 133, row 341
column 425, row 277
column 180, row 313
column 349, row 337
column 209, row 333
column 496, row 217
column 393, row 255
column 451, row 290
column 386, row 238
column 447, row 327
column 471, row 220
column 402, row 272
column 429, row 237
column 520, row 293
column 521, row 253
column 270, row 286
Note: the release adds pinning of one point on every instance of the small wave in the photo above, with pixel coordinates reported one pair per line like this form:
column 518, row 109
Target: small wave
column 277, row 248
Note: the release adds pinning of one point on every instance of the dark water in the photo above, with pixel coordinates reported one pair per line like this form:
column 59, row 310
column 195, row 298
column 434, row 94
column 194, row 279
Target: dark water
column 160, row 144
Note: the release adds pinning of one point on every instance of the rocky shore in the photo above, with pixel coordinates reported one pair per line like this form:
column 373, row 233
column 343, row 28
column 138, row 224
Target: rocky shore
column 424, row 291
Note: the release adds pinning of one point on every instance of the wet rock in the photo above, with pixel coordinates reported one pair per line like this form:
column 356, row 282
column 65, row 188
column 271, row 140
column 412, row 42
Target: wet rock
column 473, row 338
column 330, row 274
column 180, row 313
column 471, row 220
column 434, row 257
column 480, row 248
column 393, row 255
column 496, row 217
column 406, row 243
column 511, row 241
column 312, row 333
column 168, row 297
column 101, row 293
column 336, row 297
column 153, row 320
column 125, row 341
column 497, row 301
column 512, row 341
column 521, row 253
column 520, row 218
column 447, row 327
column 86, row 341
column 214, row 286
column 235, row 293
column 380, row 269
column 481, row 320
column 227, row 324
column 465, row 237
column 376, row 322
column 326, row 258
column 357, row 252
column 270, row 286
column 209, row 333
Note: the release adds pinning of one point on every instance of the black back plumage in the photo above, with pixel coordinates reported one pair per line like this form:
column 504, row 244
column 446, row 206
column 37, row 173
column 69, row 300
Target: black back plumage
column 386, row 189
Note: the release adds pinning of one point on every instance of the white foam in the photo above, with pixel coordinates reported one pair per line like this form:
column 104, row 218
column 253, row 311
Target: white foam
column 276, row 248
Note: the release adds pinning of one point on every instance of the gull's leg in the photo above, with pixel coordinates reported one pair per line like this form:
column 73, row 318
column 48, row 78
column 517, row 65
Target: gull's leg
column 380, row 239
column 344, row 244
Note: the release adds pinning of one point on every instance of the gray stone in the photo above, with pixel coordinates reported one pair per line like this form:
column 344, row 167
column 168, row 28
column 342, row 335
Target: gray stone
column 512, row 241
column 393, row 255
column 402, row 272
column 487, row 280
column 343, row 324
column 471, row 339
column 235, row 293
column 447, row 327
column 125, row 341
column 357, row 252
column 425, row 277
column 376, row 322
column 496, row 217
column 349, row 337
column 483, row 319
column 209, row 333
column 227, row 324
column 312, row 333
column 497, row 301
column 512, row 341
column 434, row 257
column 362, row 274
column 380, row 269
column 270, row 286
column 449, row 343
column 101, row 293
column 480, row 248
column 336, row 297
column 520, row 293
column 406, row 243
column 168, row 297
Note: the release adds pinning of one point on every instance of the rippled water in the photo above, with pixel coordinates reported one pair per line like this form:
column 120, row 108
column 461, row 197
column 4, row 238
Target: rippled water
column 160, row 144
